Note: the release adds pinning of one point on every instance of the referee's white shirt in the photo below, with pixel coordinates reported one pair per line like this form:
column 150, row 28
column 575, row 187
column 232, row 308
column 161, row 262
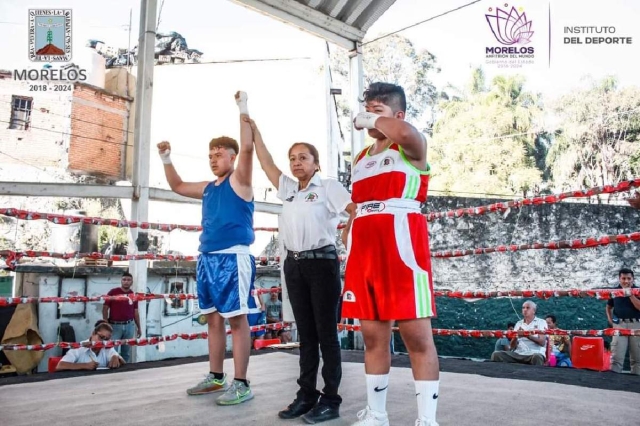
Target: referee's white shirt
column 310, row 216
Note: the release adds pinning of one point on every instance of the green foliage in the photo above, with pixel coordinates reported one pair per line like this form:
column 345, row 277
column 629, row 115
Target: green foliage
column 392, row 59
column 596, row 137
column 495, row 137
column 485, row 138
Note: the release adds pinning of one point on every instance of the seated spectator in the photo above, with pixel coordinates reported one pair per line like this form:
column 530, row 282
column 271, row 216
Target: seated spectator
column 92, row 358
column 503, row 343
column 560, row 345
column 530, row 349
column 274, row 316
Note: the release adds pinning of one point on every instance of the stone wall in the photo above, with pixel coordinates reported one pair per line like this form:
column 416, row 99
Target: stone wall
column 531, row 269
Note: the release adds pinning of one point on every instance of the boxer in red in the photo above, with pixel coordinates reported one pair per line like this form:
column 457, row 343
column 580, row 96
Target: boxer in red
column 388, row 272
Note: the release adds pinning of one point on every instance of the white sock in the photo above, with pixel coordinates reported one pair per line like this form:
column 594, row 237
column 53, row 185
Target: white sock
column 377, row 392
column 427, row 395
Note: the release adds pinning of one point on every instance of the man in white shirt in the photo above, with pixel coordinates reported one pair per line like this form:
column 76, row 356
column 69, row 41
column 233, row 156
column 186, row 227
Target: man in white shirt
column 526, row 350
column 92, row 358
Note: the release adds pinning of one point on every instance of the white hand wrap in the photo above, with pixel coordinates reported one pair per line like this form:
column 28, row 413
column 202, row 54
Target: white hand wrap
column 241, row 100
column 366, row 120
column 166, row 156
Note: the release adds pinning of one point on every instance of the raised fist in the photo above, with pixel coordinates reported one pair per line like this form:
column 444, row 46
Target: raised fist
column 241, row 100
column 164, row 149
column 164, row 146
column 241, row 96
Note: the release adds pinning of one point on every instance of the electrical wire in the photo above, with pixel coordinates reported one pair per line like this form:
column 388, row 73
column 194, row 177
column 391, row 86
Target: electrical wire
column 79, row 119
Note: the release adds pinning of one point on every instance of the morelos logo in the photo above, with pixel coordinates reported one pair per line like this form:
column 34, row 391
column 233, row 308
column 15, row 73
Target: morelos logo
column 510, row 27
column 311, row 197
column 50, row 42
column 50, row 35
column 372, row 207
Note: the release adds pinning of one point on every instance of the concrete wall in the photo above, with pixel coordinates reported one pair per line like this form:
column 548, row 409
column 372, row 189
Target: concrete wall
column 91, row 142
column 43, row 145
column 82, row 317
column 121, row 82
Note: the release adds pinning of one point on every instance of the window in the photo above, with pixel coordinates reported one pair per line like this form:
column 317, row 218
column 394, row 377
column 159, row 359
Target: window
column 177, row 286
column 20, row 113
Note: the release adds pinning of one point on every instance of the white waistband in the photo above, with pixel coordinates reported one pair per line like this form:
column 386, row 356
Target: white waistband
column 239, row 249
column 391, row 206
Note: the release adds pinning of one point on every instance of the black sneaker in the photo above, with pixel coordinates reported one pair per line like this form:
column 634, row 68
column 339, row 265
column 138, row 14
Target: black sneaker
column 321, row 413
column 297, row 408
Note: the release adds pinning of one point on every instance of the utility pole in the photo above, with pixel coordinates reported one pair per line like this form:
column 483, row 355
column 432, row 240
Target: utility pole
column 141, row 154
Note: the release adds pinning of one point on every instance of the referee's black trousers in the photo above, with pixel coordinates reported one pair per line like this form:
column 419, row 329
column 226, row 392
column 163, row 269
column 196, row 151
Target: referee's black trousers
column 314, row 288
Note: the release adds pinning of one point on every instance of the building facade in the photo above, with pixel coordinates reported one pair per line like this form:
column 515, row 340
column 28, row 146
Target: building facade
column 83, row 131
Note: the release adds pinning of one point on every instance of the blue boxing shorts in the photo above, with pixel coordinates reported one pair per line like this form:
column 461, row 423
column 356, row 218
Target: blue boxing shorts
column 225, row 282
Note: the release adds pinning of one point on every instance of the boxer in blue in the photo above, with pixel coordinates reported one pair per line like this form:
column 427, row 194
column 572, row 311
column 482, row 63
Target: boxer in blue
column 226, row 270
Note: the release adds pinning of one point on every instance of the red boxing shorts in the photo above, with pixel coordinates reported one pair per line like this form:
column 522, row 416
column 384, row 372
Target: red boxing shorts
column 388, row 272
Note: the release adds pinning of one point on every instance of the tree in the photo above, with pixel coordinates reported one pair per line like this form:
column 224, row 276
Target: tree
column 485, row 138
column 392, row 59
column 597, row 136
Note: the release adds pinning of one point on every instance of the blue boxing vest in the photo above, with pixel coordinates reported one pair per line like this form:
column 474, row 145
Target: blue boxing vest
column 227, row 219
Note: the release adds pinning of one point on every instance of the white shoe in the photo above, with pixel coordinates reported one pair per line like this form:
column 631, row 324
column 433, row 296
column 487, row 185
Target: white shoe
column 425, row 422
column 368, row 417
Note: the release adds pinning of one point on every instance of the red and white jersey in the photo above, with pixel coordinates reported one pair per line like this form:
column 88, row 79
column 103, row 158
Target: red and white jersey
column 387, row 175
column 388, row 272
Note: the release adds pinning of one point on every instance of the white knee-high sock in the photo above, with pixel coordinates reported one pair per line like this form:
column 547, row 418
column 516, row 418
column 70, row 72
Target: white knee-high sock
column 377, row 392
column 427, row 396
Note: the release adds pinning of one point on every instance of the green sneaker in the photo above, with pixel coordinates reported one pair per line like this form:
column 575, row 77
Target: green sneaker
column 209, row 385
column 237, row 393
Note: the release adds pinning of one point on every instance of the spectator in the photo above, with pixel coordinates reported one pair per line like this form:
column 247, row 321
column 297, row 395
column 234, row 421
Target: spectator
column 122, row 314
column 624, row 313
column 503, row 343
column 560, row 345
column 530, row 349
column 92, row 358
column 274, row 316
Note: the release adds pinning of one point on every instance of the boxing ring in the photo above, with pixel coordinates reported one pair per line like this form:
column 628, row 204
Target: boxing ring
column 154, row 392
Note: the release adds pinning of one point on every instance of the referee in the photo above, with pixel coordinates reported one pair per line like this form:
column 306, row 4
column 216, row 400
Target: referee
column 311, row 208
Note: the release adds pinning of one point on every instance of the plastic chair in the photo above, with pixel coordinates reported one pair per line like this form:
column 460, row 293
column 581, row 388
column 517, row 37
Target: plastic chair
column 53, row 363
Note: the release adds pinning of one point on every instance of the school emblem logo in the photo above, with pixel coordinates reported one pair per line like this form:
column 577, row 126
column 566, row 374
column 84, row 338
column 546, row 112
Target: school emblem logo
column 387, row 161
column 311, row 197
column 349, row 296
column 50, row 35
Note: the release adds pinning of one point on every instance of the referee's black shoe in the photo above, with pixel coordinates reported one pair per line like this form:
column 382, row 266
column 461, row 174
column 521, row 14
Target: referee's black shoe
column 321, row 413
